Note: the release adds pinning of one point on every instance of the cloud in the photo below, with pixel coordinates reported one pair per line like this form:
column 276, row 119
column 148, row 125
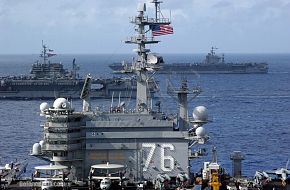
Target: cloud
column 223, row 4
column 98, row 25
column 239, row 10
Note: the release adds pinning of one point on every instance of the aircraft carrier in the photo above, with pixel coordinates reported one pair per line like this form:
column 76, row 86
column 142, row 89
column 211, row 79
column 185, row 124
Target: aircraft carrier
column 49, row 80
column 213, row 64
column 152, row 147
column 138, row 148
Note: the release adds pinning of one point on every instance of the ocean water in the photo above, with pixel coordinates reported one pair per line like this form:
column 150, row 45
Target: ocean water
column 251, row 113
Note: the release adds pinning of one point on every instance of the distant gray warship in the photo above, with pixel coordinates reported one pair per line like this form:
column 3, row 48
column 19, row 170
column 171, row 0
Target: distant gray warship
column 145, row 149
column 213, row 64
column 51, row 80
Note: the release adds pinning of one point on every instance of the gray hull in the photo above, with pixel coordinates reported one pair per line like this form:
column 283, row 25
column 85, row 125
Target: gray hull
column 221, row 68
column 26, row 95
column 51, row 89
column 202, row 68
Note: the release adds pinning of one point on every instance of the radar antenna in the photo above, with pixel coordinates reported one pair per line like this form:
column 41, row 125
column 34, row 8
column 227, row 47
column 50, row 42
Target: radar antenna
column 85, row 94
column 214, row 155
column 180, row 95
column 158, row 13
column 75, row 68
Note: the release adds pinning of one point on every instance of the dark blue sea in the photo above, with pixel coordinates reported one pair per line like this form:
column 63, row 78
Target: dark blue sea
column 251, row 112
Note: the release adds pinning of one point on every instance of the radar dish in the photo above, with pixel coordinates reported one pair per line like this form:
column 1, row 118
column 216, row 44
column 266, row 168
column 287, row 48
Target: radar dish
column 152, row 58
column 61, row 103
column 41, row 143
column 36, row 149
column 200, row 114
column 107, row 166
column 200, row 132
column 141, row 7
column 43, row 106
column 51, row 167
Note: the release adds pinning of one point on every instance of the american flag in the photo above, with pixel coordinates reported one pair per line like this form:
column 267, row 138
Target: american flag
column 50, row 53
column 161, row 29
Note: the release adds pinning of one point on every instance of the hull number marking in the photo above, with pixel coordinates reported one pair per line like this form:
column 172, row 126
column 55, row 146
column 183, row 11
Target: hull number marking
column 164, row 158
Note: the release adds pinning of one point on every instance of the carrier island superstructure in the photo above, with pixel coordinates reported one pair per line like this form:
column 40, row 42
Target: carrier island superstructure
column 152, row 146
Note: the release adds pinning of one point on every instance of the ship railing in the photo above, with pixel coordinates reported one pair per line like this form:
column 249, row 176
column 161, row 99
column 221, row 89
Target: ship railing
column 55, row 126
column 65, row 158
column 67, row 130
column 60, row 158
column 68, row 125
column 62, row 146
column 63, row 136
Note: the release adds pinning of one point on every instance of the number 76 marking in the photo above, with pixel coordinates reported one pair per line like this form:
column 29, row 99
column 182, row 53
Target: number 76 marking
column 163, row 157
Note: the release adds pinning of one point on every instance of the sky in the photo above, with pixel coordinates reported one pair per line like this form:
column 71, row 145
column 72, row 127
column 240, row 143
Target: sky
column 101, row 26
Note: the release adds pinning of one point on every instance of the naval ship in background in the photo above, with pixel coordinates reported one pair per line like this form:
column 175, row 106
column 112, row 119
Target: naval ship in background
column 213, row 64
column 49, row 80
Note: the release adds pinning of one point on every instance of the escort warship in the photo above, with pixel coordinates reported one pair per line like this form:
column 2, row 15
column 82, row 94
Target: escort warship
column 49, row 80
column 138, row 148
column 213, row 64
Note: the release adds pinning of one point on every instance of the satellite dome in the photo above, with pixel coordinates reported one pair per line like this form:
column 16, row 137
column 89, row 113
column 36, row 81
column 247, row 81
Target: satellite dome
column 41, row 143
column 200, row 113
column 43, row 106
column 36, row 149
column 154, row 58
column 61, row 103
column 200, row 132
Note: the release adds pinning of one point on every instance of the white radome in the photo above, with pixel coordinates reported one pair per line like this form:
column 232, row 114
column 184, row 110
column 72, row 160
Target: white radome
column 152, row 58
column 200, row 113
column 200, row 132
column 41, row 143
column 43, row 106
column 36, row 149
column 61, row 103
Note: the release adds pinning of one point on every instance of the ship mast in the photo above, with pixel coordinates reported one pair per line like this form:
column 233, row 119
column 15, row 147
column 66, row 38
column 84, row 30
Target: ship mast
column 44, row 53
column 212, row 51
column 157, row 9
column 141, row 66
